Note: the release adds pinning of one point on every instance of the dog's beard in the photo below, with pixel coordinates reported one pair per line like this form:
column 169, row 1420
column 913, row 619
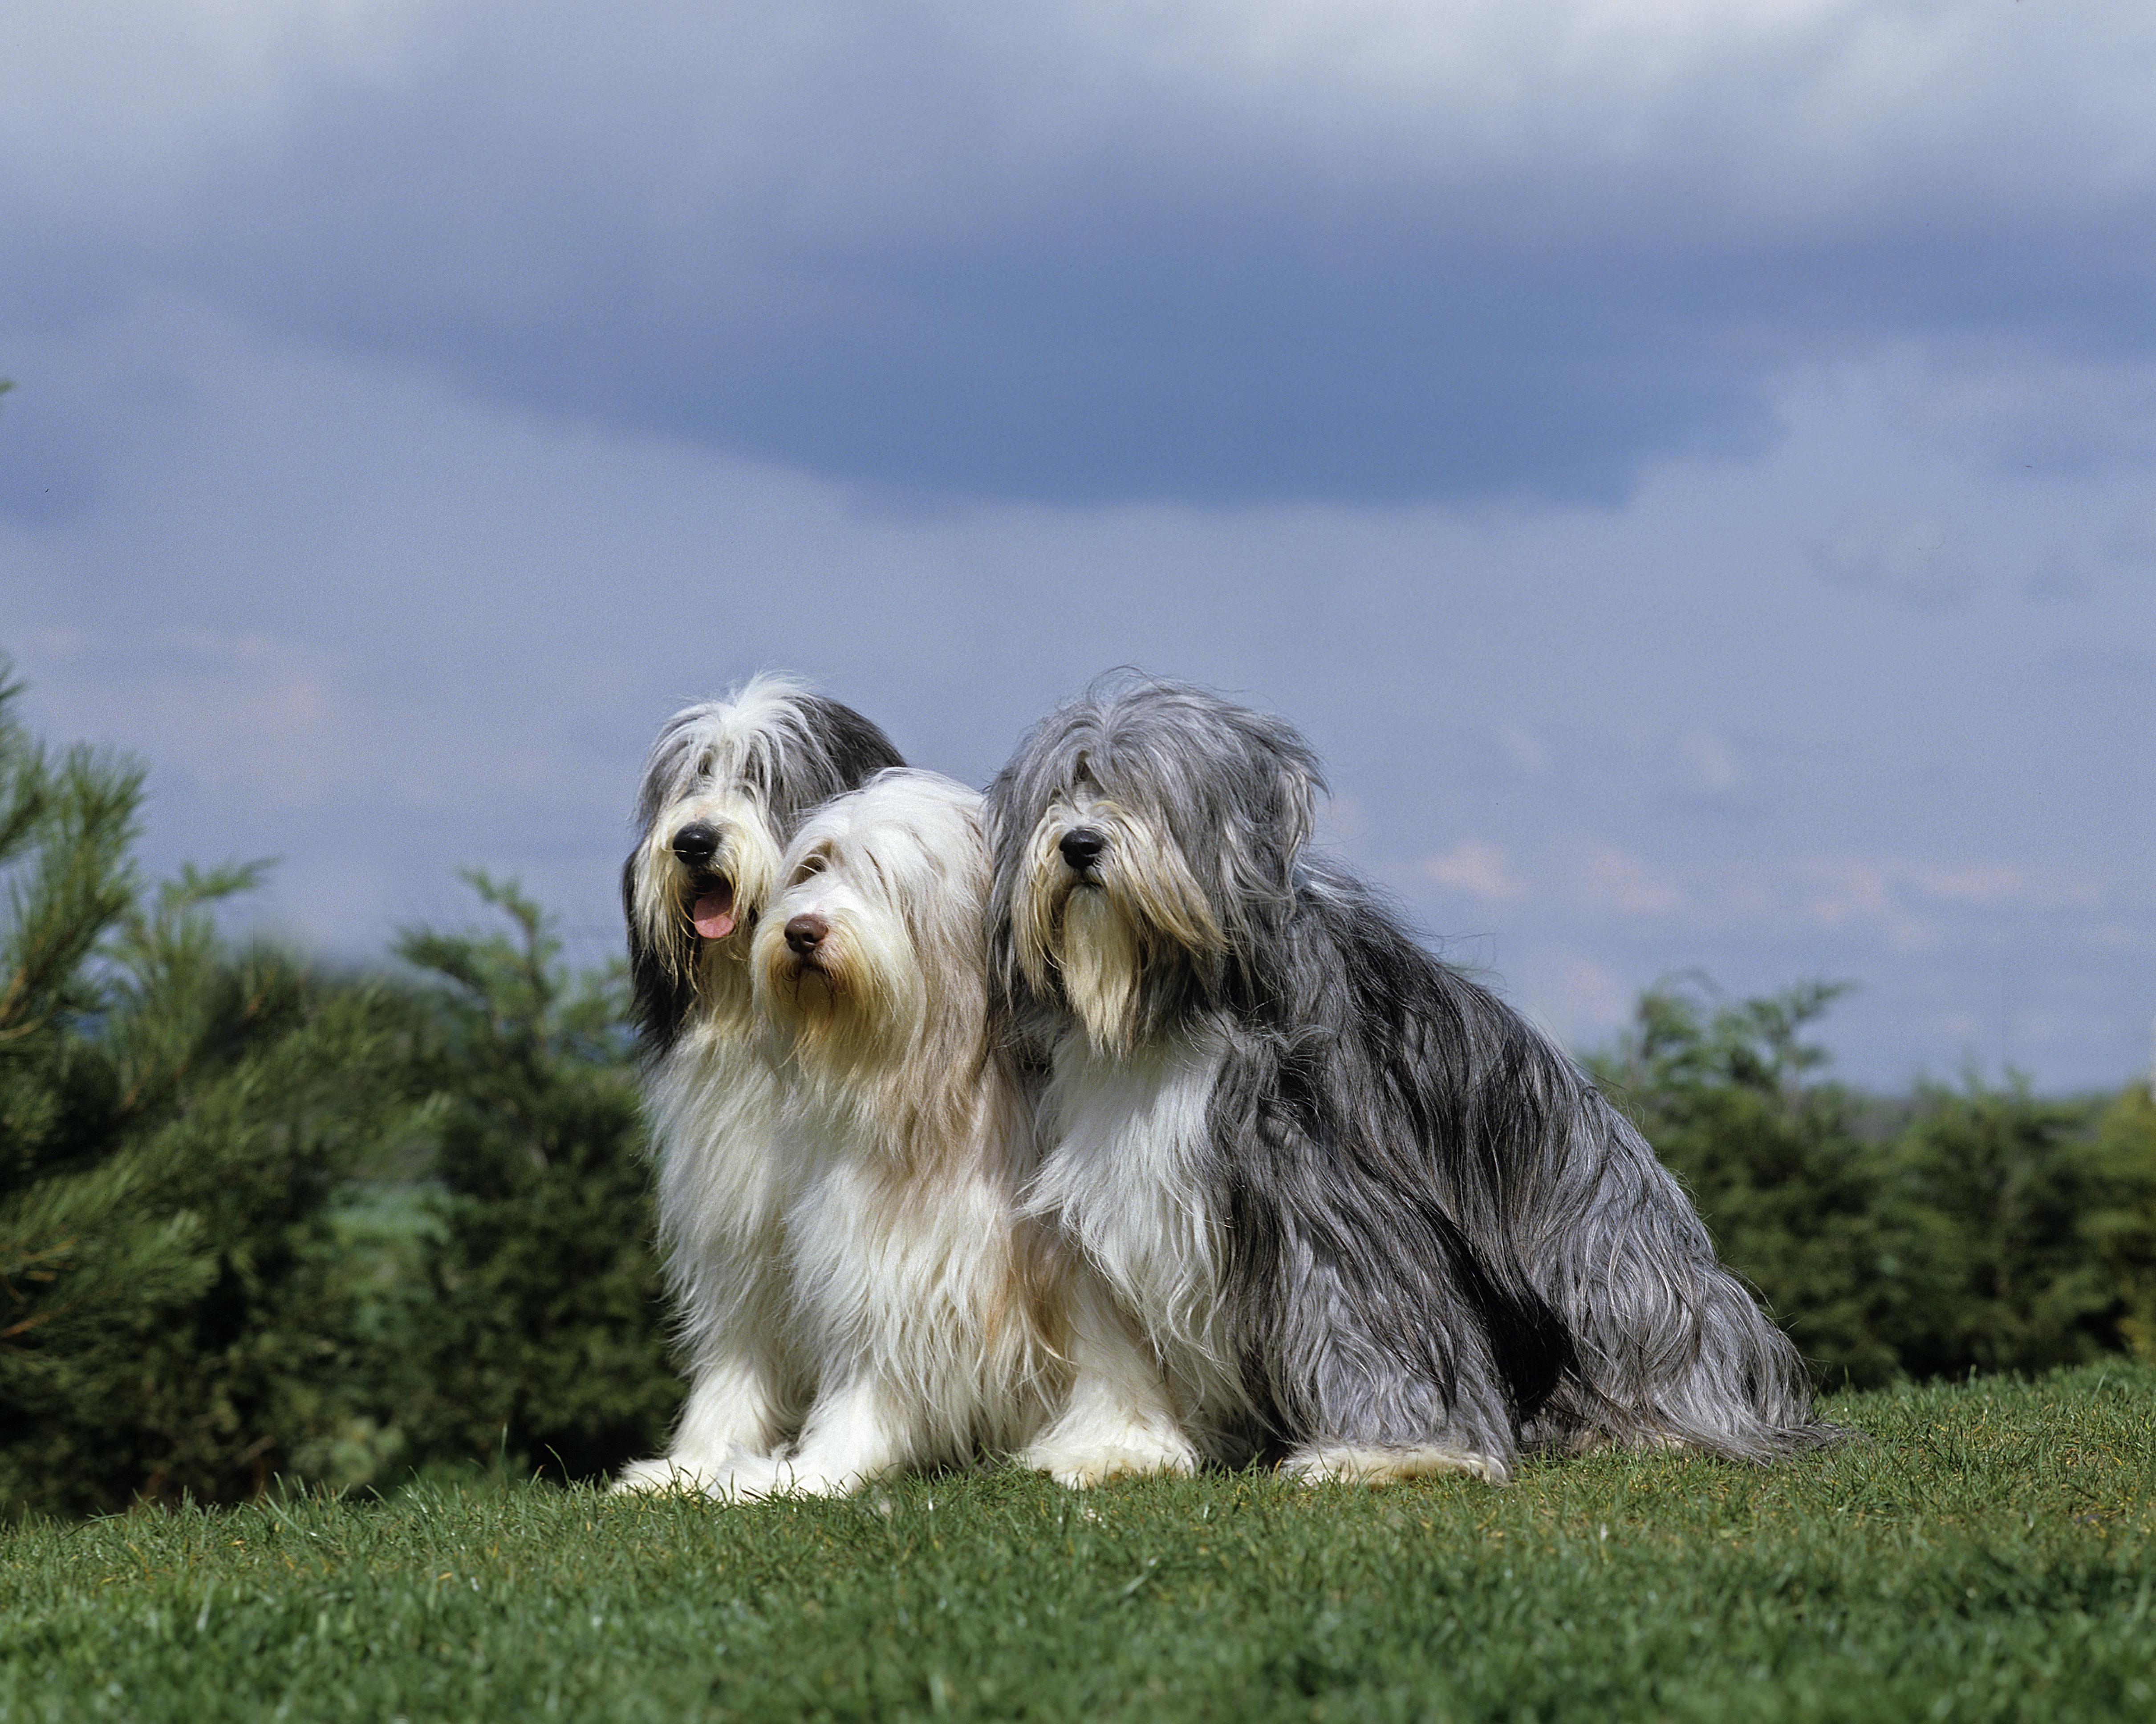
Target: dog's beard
column 817, row 1018
column 813, row 993
column 1099, row 958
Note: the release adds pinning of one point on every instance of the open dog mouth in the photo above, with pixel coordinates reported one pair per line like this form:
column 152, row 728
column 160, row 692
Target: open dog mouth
column 713, row 910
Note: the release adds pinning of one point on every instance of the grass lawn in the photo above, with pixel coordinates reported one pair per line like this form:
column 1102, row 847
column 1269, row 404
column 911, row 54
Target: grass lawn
column 1987, row 1555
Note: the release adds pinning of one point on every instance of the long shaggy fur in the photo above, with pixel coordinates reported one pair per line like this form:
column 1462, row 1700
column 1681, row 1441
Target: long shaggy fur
column 1358, row 1211
column 728, row 784
column 916, row 1301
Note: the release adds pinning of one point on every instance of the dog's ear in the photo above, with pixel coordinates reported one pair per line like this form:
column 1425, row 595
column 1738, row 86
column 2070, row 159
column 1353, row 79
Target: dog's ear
column 660, row 995
column 1298, row 809
column 855, row 747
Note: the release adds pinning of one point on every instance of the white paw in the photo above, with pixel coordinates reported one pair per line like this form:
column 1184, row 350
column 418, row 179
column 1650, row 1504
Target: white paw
column 791, row 1481
column 1136, row 1454
column 661, row 1473
column 747, row 1478
column 1369, row 1465
column 728, row 1478
column 754, row 1478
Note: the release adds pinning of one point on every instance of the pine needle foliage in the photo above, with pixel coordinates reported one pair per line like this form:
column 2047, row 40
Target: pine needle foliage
column 2019, row 1193
column 257, row 1219
column 545, row 1329
column 2125, row 1236
column 1970, row 1229
column 176, row 1119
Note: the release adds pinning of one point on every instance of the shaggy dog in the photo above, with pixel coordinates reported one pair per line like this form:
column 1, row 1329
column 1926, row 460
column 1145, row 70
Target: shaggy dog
column 727, row 785
column 913, row 1296
column 1357, row 1214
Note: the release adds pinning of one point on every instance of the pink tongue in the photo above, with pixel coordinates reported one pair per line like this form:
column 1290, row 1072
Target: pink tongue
column 714, row 914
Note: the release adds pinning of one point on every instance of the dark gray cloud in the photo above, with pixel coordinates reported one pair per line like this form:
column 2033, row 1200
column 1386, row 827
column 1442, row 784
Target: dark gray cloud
column 1200, row 252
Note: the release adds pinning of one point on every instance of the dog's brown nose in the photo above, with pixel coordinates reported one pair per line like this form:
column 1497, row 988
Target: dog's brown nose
column 805, row 933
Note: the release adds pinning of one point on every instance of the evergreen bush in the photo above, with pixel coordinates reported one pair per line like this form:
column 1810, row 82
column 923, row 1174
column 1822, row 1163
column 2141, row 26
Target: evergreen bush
column 545, row 1324
column 176, row 1119
column 257, row 1219
column 1977, row 1228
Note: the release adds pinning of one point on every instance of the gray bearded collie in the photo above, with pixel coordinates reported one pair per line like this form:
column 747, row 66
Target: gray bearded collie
column 1354, row 1211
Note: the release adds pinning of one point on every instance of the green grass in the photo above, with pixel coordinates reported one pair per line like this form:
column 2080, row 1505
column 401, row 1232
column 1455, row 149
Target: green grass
column 1987, row 1555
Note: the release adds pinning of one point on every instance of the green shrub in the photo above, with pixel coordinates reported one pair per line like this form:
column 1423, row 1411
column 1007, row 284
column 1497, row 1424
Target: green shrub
column 176, row 1120
column 1982, row 1228
column 545, row 1322
column 2015, row 1191
column 2125, row 1235
column 256, row 1219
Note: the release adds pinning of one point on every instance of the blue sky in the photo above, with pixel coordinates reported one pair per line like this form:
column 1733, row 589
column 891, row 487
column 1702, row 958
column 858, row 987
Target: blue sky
column 1688, row 466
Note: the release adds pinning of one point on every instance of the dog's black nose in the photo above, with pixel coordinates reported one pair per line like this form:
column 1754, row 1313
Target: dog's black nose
column 806, row 932
column 1081, row 847
column 696, row 844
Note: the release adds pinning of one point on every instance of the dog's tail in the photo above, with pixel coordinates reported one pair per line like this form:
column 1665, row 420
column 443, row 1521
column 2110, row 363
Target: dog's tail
column 1739, row 1390
column 1669, row 1348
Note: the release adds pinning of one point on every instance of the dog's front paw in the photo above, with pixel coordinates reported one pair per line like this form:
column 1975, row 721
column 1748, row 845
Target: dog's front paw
column 662, row 1472
column 808, row 1479
column 733, row 1477
column 1137, row 1453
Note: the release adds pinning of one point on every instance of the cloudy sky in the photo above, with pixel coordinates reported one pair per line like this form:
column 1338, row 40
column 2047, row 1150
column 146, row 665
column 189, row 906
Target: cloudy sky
column 1690, row 465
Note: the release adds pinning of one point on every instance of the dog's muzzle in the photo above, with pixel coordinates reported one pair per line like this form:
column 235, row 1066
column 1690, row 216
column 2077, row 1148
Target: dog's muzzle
column 808, row 947
column 712, row 907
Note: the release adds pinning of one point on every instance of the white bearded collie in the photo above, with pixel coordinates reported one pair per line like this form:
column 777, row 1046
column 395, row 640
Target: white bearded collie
column 913, row 1304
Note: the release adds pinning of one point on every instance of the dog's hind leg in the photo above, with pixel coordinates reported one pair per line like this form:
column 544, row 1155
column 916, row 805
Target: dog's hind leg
column 1371, row 1388
column 1741, row 1389
column 1670, row 1350
column 1375, row 1465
